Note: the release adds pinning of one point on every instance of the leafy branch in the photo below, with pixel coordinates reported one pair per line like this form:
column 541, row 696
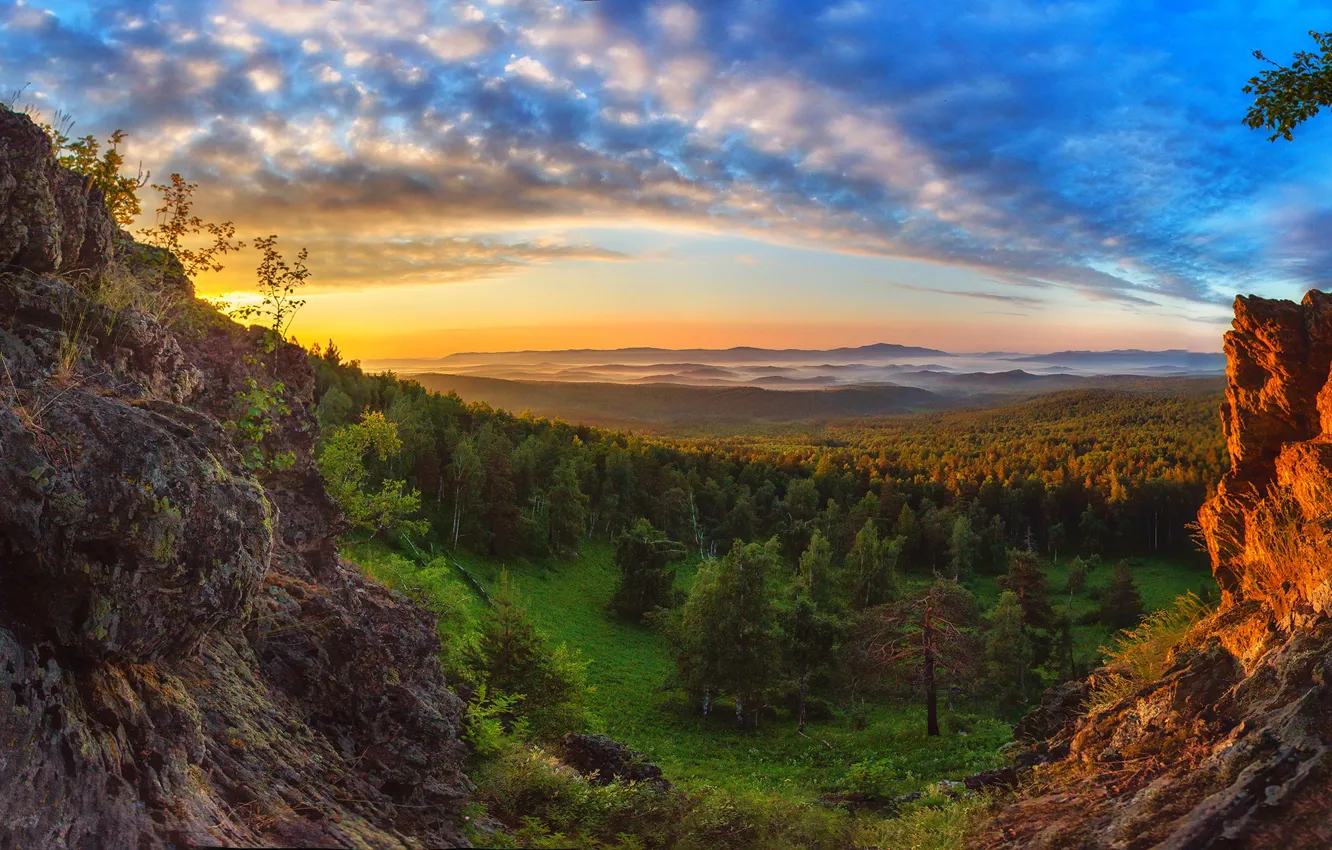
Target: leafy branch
column 278, row 284
column 1287, row 96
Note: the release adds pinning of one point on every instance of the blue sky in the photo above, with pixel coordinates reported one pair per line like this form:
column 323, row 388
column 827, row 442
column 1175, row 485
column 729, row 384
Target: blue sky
column 970, row 175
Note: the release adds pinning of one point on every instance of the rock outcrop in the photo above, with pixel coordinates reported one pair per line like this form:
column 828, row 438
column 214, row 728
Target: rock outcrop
column 183, row 657
column 606, row 760
column 1230, row 747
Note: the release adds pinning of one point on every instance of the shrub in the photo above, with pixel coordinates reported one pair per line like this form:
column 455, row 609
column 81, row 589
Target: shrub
column 342, row 463
column 516, row 659
column 546, row 804
column 927, row 825
column 259, row 409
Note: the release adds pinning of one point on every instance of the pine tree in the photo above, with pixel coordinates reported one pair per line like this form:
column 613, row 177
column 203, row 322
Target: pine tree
column 924, row 639
column 1121, row 604
column 1027, row 580
column 1008, row 648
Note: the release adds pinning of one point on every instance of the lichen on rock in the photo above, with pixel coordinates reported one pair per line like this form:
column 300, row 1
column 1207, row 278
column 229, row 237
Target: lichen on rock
column 183, row 658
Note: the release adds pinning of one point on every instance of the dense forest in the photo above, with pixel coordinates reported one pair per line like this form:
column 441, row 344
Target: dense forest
column 880, row 505
column 1093, row 472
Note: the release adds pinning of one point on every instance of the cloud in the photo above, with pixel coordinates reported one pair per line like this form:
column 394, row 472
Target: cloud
column 1075, row 145
column 531, row 70
column 1016, row 300
column 341, row 263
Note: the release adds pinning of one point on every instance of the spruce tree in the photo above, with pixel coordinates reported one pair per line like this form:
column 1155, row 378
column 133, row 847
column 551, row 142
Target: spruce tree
column 1008, row 651
column 1027, row 580
column 515, row 659
column 963, row 544
column 566, row 510
column 1121, row 604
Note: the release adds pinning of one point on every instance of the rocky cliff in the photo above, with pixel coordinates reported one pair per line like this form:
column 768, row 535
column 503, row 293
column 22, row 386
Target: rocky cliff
column 1230, row 747
column 183, row 657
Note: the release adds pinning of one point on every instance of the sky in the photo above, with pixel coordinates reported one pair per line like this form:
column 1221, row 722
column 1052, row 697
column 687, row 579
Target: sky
column 972, row 175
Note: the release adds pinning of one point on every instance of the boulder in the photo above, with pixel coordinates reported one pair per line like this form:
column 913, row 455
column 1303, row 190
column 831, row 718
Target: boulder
column 606, row 760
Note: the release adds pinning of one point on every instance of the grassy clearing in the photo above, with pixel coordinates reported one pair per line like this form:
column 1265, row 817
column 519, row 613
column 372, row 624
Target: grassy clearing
column 630, row 664
column 756, row 788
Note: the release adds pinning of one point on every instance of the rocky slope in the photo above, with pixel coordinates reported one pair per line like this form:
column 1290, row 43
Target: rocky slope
column 183, row 657
column 1230, row 747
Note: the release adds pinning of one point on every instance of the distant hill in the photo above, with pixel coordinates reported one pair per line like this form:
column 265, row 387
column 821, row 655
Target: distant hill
column 870, row 365
column 1132, row 358
column 655, row 405
column 671, row 406
column 645, row 356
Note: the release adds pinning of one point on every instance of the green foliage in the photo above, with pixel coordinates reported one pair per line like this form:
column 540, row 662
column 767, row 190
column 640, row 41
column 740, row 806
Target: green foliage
column 815, row 572
column 1287, row 96
column 277, row 282
column 871, row 565
column 1141, row 654
column 1008, row 651
column 334, row 410
column 566, row 508
column 517, row 660
column 963, row 548
column 259, row 408
column 1077, row 576
column 810, row 634
column 483, row 722
column 1121, row 604
column 102, row 168
column 342, row 463
column 645, row 557
column 728, row 640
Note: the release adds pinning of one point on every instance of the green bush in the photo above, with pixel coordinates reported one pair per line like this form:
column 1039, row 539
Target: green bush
column 516, row 659
column 543, row 803
column 927, row 825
